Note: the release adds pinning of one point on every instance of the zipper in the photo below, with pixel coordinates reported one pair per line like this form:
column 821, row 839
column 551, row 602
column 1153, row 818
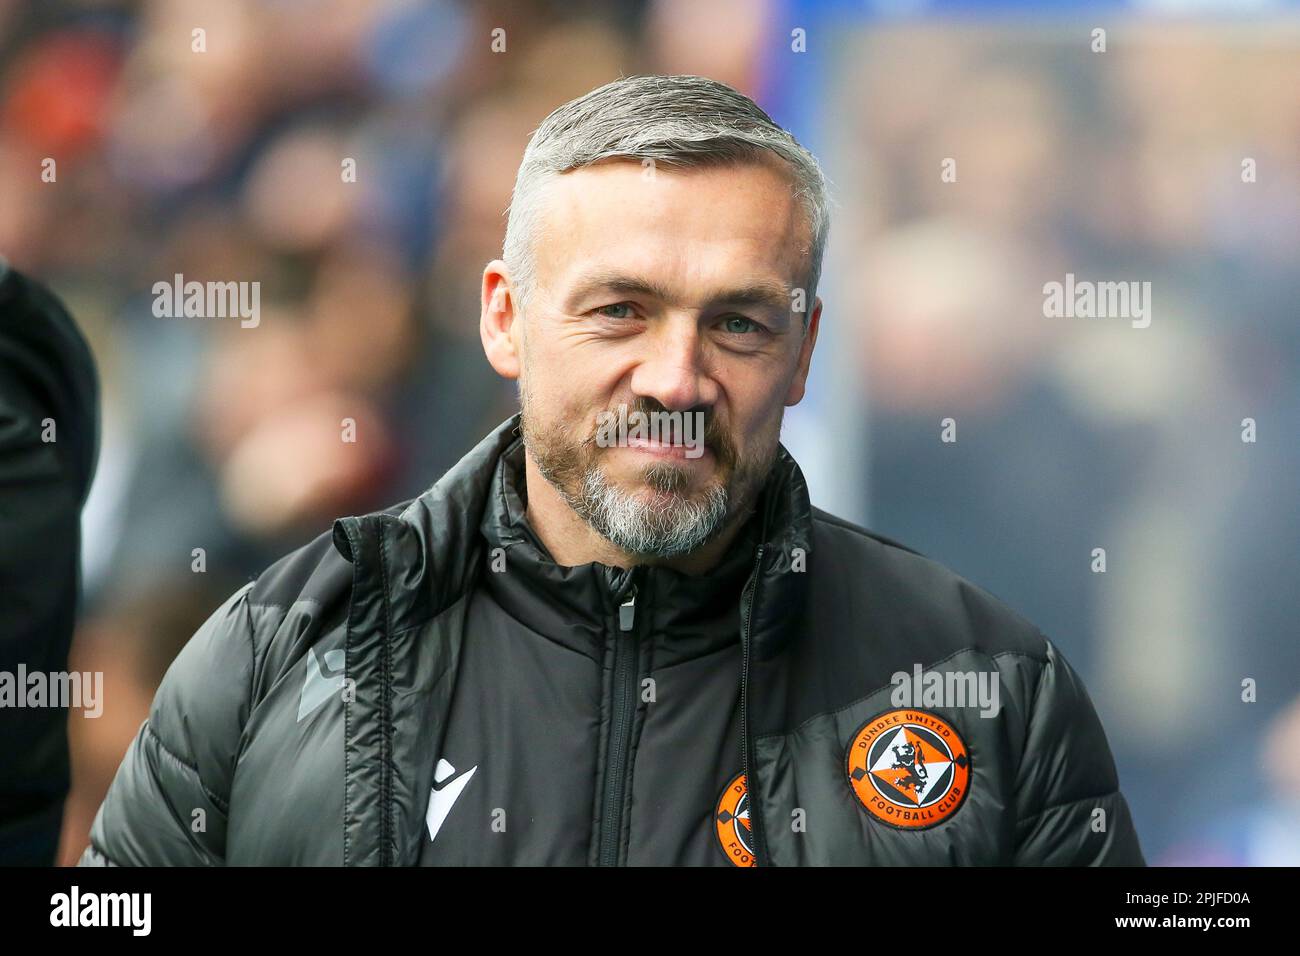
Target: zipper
column 747, row 762
column 623, row 708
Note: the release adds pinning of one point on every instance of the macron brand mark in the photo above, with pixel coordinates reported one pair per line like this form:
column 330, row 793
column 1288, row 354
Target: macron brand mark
column 444, row 795
column 317, row 686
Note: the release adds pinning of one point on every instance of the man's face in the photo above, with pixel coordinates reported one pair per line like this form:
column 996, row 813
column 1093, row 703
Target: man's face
column 668, row 290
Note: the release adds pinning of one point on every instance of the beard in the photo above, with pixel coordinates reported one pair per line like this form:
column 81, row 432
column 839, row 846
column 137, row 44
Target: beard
column 658, row 519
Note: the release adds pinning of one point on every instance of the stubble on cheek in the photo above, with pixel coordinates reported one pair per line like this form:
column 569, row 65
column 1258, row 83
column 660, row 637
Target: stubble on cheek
column 751, row 470
column 561, row 457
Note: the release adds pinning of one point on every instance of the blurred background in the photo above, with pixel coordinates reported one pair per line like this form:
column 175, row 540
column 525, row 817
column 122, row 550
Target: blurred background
column 1072, row 433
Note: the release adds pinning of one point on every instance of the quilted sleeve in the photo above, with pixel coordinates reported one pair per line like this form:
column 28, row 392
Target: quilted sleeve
column 168, row 803
column 1069, row 809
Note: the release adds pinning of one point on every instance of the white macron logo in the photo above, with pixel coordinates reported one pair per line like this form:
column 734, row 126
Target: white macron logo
column 317, row 687
column 444, row 795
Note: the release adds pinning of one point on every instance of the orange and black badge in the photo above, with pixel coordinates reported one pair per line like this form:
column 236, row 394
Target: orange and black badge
column 909, row 768
column 732, row 822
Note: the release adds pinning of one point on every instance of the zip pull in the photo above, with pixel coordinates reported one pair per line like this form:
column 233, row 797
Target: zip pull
column 627, row 611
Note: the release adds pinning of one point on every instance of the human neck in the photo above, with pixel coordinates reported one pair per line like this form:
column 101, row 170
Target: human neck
column 572, row 542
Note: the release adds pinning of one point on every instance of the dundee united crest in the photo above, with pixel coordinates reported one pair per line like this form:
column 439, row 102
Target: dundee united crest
column 731, row 819
column 909, row 768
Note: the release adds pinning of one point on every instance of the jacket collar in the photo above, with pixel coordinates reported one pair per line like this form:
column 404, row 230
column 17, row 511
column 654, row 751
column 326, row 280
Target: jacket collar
column 688, row 615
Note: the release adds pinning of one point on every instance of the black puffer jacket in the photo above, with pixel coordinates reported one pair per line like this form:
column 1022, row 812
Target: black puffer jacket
column 426, row 687
column 49, row 443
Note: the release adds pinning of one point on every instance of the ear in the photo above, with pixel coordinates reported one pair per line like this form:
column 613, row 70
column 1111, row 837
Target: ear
column 496, row 323
column 795, row 395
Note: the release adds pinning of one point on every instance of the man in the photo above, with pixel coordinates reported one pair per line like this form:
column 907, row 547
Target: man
column 49, row 443
column 617, row 632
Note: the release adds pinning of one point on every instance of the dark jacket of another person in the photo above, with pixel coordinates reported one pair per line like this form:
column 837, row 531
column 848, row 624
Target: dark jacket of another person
column 49, row 438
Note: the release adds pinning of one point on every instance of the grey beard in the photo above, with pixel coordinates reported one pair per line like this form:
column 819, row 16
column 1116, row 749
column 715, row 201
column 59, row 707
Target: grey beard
column 659, row 530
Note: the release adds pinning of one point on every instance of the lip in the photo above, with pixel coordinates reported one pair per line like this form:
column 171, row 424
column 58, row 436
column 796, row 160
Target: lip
column 658, row 449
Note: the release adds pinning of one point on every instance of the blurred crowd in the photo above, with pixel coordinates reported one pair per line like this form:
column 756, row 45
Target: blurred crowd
column 221, row 447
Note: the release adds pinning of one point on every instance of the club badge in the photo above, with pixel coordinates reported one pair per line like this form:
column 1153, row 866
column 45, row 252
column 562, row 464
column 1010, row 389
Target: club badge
column 731, row 820
column 909, row 768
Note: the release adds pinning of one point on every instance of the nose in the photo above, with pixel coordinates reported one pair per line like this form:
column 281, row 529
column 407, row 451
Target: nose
column 672, row 371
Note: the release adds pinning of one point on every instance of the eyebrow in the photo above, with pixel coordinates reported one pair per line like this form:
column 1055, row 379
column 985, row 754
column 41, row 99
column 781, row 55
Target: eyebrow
column 760, row 293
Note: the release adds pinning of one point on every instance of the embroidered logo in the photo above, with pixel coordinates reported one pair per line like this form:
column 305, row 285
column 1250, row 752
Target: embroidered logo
column 909, row 768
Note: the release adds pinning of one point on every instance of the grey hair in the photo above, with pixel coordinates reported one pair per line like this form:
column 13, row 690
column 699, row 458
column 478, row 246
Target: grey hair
column 676, row 121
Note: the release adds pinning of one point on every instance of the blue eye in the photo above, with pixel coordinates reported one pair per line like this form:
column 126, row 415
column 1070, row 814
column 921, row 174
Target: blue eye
column 627, row 310
column 746, row 325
